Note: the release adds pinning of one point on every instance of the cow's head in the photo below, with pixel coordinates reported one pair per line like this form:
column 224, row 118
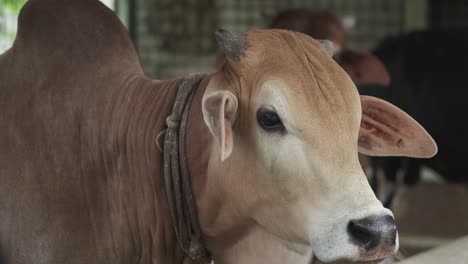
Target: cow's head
column 287, row 122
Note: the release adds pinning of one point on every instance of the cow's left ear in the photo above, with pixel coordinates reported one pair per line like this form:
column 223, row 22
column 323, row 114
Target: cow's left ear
column 219, row 112
column 388, row 131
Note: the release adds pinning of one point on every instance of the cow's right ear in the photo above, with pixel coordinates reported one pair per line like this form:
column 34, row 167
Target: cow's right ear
column 219, row 112
column 388, row 131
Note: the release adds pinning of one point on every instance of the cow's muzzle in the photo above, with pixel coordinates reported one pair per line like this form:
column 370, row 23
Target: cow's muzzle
column 374, row 235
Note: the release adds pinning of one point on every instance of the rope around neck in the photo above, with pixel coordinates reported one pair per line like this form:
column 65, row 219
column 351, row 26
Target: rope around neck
column 176, row 176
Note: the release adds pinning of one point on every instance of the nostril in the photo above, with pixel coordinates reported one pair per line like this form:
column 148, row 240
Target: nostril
column 390, row 230
column 361, row 234
column 371, row 232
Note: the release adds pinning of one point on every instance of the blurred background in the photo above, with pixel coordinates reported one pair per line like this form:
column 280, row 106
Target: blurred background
column 412, row 53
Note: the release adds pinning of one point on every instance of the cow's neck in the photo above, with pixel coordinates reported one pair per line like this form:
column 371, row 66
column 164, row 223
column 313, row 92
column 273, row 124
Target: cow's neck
column 199, row 145
column 215, row 216
column 199, row 142
column 133, row 163
column 138, row 223
column 216, row 219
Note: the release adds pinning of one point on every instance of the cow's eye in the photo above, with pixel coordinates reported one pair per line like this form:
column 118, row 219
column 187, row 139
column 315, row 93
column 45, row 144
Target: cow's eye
column 269, row 120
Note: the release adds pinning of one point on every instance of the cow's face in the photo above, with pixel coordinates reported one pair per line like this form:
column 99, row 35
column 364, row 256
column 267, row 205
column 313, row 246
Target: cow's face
column 287, row 122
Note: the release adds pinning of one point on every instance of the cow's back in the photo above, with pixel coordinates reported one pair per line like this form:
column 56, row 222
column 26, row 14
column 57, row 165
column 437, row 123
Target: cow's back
column 68, row 60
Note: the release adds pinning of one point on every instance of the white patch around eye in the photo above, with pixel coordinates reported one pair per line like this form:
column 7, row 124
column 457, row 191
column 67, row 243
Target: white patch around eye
column 272, row 95
column 280, row 151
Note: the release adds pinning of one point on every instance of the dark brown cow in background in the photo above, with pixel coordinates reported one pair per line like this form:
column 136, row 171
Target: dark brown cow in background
column 429, row 78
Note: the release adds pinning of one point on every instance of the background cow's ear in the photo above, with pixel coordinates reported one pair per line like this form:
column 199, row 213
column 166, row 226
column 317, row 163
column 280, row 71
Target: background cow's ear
column 388, row 131
column 219, row 112
column 364, row 68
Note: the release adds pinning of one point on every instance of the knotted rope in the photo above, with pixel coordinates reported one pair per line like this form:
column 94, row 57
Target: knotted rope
column 176, row 176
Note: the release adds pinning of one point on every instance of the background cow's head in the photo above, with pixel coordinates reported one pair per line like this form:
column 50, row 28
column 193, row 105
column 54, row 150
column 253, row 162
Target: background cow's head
column 287, row 124
column 363, row 67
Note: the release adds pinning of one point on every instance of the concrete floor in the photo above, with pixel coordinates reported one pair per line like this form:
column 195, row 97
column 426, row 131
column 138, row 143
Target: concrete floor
column 452, row 253
column 430, row 214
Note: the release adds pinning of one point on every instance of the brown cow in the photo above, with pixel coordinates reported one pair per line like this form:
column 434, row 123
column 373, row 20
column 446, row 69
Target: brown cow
column 271, row 146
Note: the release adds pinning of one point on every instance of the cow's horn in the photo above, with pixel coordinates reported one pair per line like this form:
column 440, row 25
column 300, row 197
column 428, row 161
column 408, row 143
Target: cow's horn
column 328, row 45
column 232, row 44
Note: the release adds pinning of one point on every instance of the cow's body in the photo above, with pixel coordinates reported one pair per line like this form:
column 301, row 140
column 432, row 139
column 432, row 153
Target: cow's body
column 81, row 171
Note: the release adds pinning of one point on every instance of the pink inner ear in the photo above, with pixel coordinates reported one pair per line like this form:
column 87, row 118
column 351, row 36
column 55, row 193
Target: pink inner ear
column 366, row 126
column 388, row 131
